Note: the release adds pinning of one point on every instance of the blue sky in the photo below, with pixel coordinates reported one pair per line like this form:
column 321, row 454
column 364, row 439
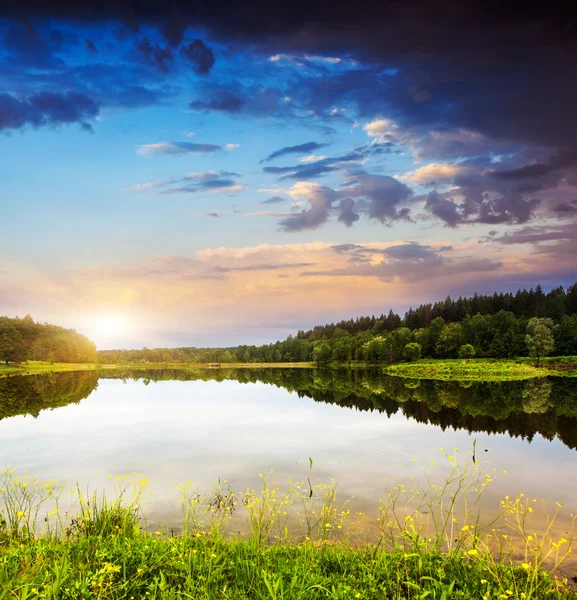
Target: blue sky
column 203, row 185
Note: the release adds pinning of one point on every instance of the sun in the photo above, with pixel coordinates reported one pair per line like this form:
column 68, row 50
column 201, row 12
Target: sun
column 110, row 325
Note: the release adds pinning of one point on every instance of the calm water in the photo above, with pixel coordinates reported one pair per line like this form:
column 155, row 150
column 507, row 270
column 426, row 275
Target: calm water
column 359, row 427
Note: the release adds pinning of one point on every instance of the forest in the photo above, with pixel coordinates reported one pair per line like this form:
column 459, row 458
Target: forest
column 506, row 325
column 24, row 339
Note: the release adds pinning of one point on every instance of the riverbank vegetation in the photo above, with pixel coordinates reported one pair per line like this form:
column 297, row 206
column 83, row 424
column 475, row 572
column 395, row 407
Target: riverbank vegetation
column 300, row 540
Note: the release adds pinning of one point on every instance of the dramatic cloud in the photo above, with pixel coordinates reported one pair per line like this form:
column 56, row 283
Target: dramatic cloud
column 408, row 263
column 346, row 210
column 378, row 197
column 300, row 149
column 199, row 56
column 46, row 109
column 320, row 199
column 444, row 209
column 323, row 165
column 154, row 55
column 176, row 148
column 384, row 195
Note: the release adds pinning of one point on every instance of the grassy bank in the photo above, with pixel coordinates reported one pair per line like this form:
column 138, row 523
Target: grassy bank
column 484, row 369
column 427, row 542
column 481, row 369
column 124, row 567
column 36, row 367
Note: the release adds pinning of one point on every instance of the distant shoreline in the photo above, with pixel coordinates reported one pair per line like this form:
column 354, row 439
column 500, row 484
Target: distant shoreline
column 483, row 369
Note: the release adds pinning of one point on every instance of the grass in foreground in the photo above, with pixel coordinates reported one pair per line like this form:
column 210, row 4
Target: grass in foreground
column 427, row 542
column 140, row 566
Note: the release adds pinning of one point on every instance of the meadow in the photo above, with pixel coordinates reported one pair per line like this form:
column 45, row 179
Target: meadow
column 293, row 540
column 485, row 369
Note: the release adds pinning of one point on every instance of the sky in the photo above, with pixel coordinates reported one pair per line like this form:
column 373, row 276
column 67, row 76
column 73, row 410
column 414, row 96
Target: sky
column 178, row 174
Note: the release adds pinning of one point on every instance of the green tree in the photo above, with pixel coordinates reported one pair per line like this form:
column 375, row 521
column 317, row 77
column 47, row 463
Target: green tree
column 436, row 327
column 539, row 338
column 450, row 340
column 10, row 342
column 412, row 351
column 467, row 351
column 322, row 353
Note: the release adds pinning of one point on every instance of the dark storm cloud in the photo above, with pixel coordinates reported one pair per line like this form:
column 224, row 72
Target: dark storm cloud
column 156, row 56
column 299, row 149
column 379, row 27
column 199, row 56
column 46, row 109
column 457, row 79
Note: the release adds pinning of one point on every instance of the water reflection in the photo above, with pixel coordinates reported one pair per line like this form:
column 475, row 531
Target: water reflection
column 545, row 406
column 33, row 393
column 175, row 425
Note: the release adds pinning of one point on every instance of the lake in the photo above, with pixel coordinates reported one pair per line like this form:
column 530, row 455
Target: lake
column 359, row 427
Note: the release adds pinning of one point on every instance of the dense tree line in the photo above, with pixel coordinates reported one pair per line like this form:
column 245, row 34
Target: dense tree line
column 24, row 339
column 527, row 323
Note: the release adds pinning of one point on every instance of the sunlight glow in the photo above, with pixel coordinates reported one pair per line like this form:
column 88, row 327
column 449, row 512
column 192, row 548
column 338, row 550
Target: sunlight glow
column 108, row 325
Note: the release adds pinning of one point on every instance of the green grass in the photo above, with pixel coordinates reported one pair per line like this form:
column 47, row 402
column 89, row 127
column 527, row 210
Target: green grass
column 32, row 367
column 37, row 367
column 484, row 369
column 429, row 543
column 145, row 566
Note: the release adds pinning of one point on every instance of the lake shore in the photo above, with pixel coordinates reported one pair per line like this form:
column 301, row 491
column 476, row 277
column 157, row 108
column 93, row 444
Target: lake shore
column 480, row 369
column 485, row 369
column 106, row 549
